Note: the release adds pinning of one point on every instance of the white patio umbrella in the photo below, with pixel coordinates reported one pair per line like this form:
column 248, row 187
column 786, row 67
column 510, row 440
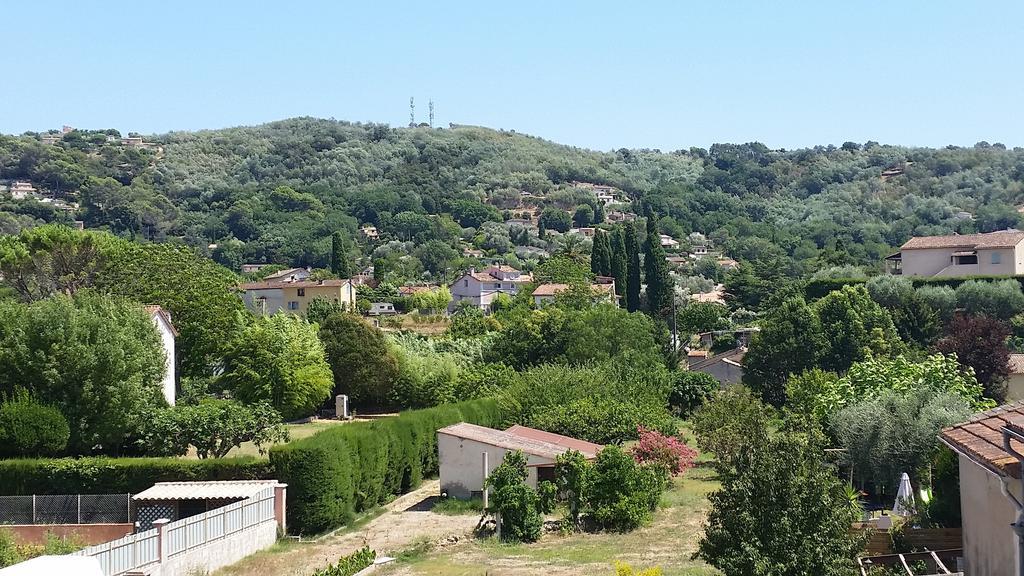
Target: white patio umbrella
column 904, row 497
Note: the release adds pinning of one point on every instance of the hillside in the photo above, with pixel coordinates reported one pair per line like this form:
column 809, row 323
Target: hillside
column 275, row 193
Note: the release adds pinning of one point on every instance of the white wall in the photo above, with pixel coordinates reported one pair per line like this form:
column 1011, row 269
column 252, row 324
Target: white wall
column 226, row 551
column 927, row 262
column 990, row 546
column 274, row 296
column 1007, row 262
column 461, row 465
column 724, row 372
column 168, row 384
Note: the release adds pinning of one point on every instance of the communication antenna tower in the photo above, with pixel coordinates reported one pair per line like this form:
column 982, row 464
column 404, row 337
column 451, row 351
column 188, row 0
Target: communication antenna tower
column 412, row 112
column 431, row 105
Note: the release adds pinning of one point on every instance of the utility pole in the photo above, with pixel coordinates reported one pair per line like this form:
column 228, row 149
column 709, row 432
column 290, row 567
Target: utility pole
column 430, row 104
column 412, row 112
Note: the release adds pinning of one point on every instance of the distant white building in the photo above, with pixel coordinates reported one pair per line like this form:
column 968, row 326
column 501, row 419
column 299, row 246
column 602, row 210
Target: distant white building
column 162, row 320
column 20, row 190
column 668, row 241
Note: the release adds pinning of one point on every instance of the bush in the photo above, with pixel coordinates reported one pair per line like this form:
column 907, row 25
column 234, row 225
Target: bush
column 622, row 494
column 668, row 452
column 730, row 421
column 513, row 502
column 119, row 475
column 347, row 469
column 360, row 359
column 8, row 549
column 941, row 298
column 214, row 427
column 28, row 428
column 1000, row 299
column 690, row 390
column 351, row 564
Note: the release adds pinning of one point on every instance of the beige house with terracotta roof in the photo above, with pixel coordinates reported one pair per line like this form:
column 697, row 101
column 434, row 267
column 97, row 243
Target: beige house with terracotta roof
column 545, row 293
column 468, row 453
column 270, row 297
column 989, row 475
column 991, row 254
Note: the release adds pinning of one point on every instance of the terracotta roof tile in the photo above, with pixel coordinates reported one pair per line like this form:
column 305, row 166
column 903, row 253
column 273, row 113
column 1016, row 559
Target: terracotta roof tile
column 981, row 439
column 1002, row 239
column 298, row 284
column 1016, row 363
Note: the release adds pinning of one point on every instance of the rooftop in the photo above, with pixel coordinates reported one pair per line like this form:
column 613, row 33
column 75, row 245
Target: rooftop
column 1001, row 239
column 509, row 440
column 205, row 490
column 588, row 449
column 154, row 310
column 285, row 273
column 265, row 285
column 553, row 289
column 734, row 357
column 981, row 439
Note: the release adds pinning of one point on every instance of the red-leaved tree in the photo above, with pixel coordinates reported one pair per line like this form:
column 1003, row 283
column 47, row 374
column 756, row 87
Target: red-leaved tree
column 669, row 451
column 980, row 343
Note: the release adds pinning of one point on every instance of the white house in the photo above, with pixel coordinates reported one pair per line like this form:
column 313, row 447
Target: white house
column 668, row 241
column 21, row 190
column 994, row 253
column 989, row 475
column 162, row 320
column 468, row 453
column 480, row 288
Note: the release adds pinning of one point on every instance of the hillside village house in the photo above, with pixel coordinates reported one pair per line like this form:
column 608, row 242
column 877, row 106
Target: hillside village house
column 726, row 367
column 462, row 447
column 369, row 232
column 480, row 288
column 993, row 253
column 989, row 475
column 162, row 320
column 291, row 291
column 20, row 190
column 545, row 293
column 668, row 241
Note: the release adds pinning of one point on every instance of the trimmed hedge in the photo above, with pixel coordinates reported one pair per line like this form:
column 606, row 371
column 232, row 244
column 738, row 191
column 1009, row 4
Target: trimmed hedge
column 354, row 467
column 819, row 288
column 119, row 475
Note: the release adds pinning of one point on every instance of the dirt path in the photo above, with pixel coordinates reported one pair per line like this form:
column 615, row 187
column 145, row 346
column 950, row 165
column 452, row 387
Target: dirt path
column 406, row 521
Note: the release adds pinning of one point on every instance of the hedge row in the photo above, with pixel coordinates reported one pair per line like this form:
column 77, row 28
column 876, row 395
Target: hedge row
column 119, row 475
column 352, row 468
column 819, row 288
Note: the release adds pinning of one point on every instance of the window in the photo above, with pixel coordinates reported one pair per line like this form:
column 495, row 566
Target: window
column 997, row 258
column 465, row 283
column 293, row 305
column 497, row 285
column 302, row 291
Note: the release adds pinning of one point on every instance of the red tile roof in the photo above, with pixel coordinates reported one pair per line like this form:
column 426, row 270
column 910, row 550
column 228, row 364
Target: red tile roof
column 505, row 439
column 553, row 289
column 1002, row 239
column 981, row 439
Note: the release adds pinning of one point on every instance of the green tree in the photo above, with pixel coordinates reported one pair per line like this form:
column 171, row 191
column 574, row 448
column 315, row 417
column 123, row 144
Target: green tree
column 619, row 260
column 697, row 317
column 341, row 259
column 97, row 359
column 852, row 326
column 979, row 343
column 725, row 424
column 583, row 216
column 1000, row 299
column 622, row 494
column 789, row 342
column 783, row 513
column 896, row 432
column 562, row 269
column 360, row 359
column 555, row 219
column 214, row 427
column 633, row 281
column 278, row 360
column 47, row 260
column 600, row 255
column 513, row 502
column 320, row 308
column 572, row 473
column 660, row 287
column 690, row 391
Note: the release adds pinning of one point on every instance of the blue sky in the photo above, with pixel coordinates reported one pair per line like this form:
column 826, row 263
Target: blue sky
column 597, row 74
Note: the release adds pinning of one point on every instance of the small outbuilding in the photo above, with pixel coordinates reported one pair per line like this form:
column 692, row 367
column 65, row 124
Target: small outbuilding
column 468, row 453
column 177, row 500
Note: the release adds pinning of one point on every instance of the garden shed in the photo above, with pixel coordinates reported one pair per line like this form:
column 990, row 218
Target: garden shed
column 468, row 453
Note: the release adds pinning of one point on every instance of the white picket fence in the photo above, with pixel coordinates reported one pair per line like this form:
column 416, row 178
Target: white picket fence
column 144, row 549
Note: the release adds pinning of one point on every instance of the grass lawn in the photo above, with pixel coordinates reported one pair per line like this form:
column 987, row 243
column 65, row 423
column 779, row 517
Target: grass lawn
column 668, row 542
column 295, row 432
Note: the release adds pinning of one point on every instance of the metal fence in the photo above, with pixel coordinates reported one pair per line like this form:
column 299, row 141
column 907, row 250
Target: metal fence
column 66, row 509
column 145, row 548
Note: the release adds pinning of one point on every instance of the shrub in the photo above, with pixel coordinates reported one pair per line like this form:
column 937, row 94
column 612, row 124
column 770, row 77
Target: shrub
column 99, row 475
column 621, row 494
column 360, row 359
column 214, row 427
column 347, row 469
column 8, row 549
column 690, row 390
column 349, row 565
column 730, row 421
column 513, row 502
column 28, row 428
column 941, row 298
column 1000, row 299
column 667, row 451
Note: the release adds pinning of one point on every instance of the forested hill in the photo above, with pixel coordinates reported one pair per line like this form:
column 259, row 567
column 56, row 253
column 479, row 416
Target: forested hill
column 276, row 192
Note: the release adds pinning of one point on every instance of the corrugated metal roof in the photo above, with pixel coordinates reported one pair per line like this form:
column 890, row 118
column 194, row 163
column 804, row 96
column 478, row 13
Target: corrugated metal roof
column 205, row 490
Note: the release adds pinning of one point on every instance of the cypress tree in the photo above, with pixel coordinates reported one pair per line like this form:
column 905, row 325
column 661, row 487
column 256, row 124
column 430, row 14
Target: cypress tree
column 659, row 281
column 619, row 265
column 341, row 265
column 632, row 269
column 601, row 255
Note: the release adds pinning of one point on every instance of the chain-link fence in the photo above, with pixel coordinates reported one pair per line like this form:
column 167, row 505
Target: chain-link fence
column 66, row 509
